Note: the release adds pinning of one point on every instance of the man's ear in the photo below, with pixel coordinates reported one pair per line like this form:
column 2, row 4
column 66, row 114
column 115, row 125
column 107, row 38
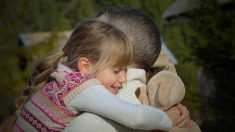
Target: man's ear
column 84, row 65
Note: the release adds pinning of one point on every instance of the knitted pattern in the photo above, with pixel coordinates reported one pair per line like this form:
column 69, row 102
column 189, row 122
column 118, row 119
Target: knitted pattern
column 47, row 110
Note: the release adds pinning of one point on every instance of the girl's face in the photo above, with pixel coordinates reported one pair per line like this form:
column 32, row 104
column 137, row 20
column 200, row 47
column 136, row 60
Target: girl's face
column 111, row 78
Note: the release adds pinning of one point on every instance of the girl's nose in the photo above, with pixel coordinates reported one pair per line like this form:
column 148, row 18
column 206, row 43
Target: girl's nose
column 122, row 77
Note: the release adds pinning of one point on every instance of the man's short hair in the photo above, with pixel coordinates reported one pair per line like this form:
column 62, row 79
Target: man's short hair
column 141, row 29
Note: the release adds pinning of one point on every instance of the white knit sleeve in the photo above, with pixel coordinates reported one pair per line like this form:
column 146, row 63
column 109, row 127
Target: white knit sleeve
column 89, row 122
column 96, row 99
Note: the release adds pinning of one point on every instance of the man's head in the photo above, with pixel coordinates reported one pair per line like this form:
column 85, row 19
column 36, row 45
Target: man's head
column 140, row 29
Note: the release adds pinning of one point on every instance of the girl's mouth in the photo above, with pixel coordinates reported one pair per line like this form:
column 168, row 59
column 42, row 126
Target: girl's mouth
column 114, row 90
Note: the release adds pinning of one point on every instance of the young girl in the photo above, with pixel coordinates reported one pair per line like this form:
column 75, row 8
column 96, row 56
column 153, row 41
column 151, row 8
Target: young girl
column 97, row 57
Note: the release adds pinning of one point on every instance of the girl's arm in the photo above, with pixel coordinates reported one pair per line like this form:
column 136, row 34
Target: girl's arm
column 96, row 99
column 89, row 122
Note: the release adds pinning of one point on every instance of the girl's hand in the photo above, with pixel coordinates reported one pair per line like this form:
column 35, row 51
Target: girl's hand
column 174, row 114
column 184, row 120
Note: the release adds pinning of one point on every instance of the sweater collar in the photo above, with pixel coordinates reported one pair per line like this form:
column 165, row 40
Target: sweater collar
column 62, row 71
column 136, row 74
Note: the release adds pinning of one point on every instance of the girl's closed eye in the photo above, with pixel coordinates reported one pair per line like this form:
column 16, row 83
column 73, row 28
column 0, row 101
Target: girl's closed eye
column 116, row 70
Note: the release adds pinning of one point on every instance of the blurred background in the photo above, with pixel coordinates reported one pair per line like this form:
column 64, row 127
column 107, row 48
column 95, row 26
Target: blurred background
column 200, row 34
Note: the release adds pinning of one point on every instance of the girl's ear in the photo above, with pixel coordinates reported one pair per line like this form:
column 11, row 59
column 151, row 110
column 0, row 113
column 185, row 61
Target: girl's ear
column 84, row 65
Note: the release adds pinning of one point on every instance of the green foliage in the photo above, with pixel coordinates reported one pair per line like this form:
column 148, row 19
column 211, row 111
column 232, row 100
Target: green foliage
column 126, row 3
column 12, row 80
column 210, row 32
column 23, row 16
column 77, row 10
column 187, row 71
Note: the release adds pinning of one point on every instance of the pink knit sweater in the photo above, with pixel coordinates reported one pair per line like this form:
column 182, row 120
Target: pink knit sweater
column 48, row 109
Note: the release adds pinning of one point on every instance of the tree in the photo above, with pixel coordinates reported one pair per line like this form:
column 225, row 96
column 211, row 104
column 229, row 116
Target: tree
column 210, row 35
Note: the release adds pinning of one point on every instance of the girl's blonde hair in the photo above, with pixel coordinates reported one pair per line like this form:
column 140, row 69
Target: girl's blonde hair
column 99, row 42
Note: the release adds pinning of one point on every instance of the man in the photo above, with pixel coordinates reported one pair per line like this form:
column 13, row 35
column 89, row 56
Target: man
column 146, row 40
